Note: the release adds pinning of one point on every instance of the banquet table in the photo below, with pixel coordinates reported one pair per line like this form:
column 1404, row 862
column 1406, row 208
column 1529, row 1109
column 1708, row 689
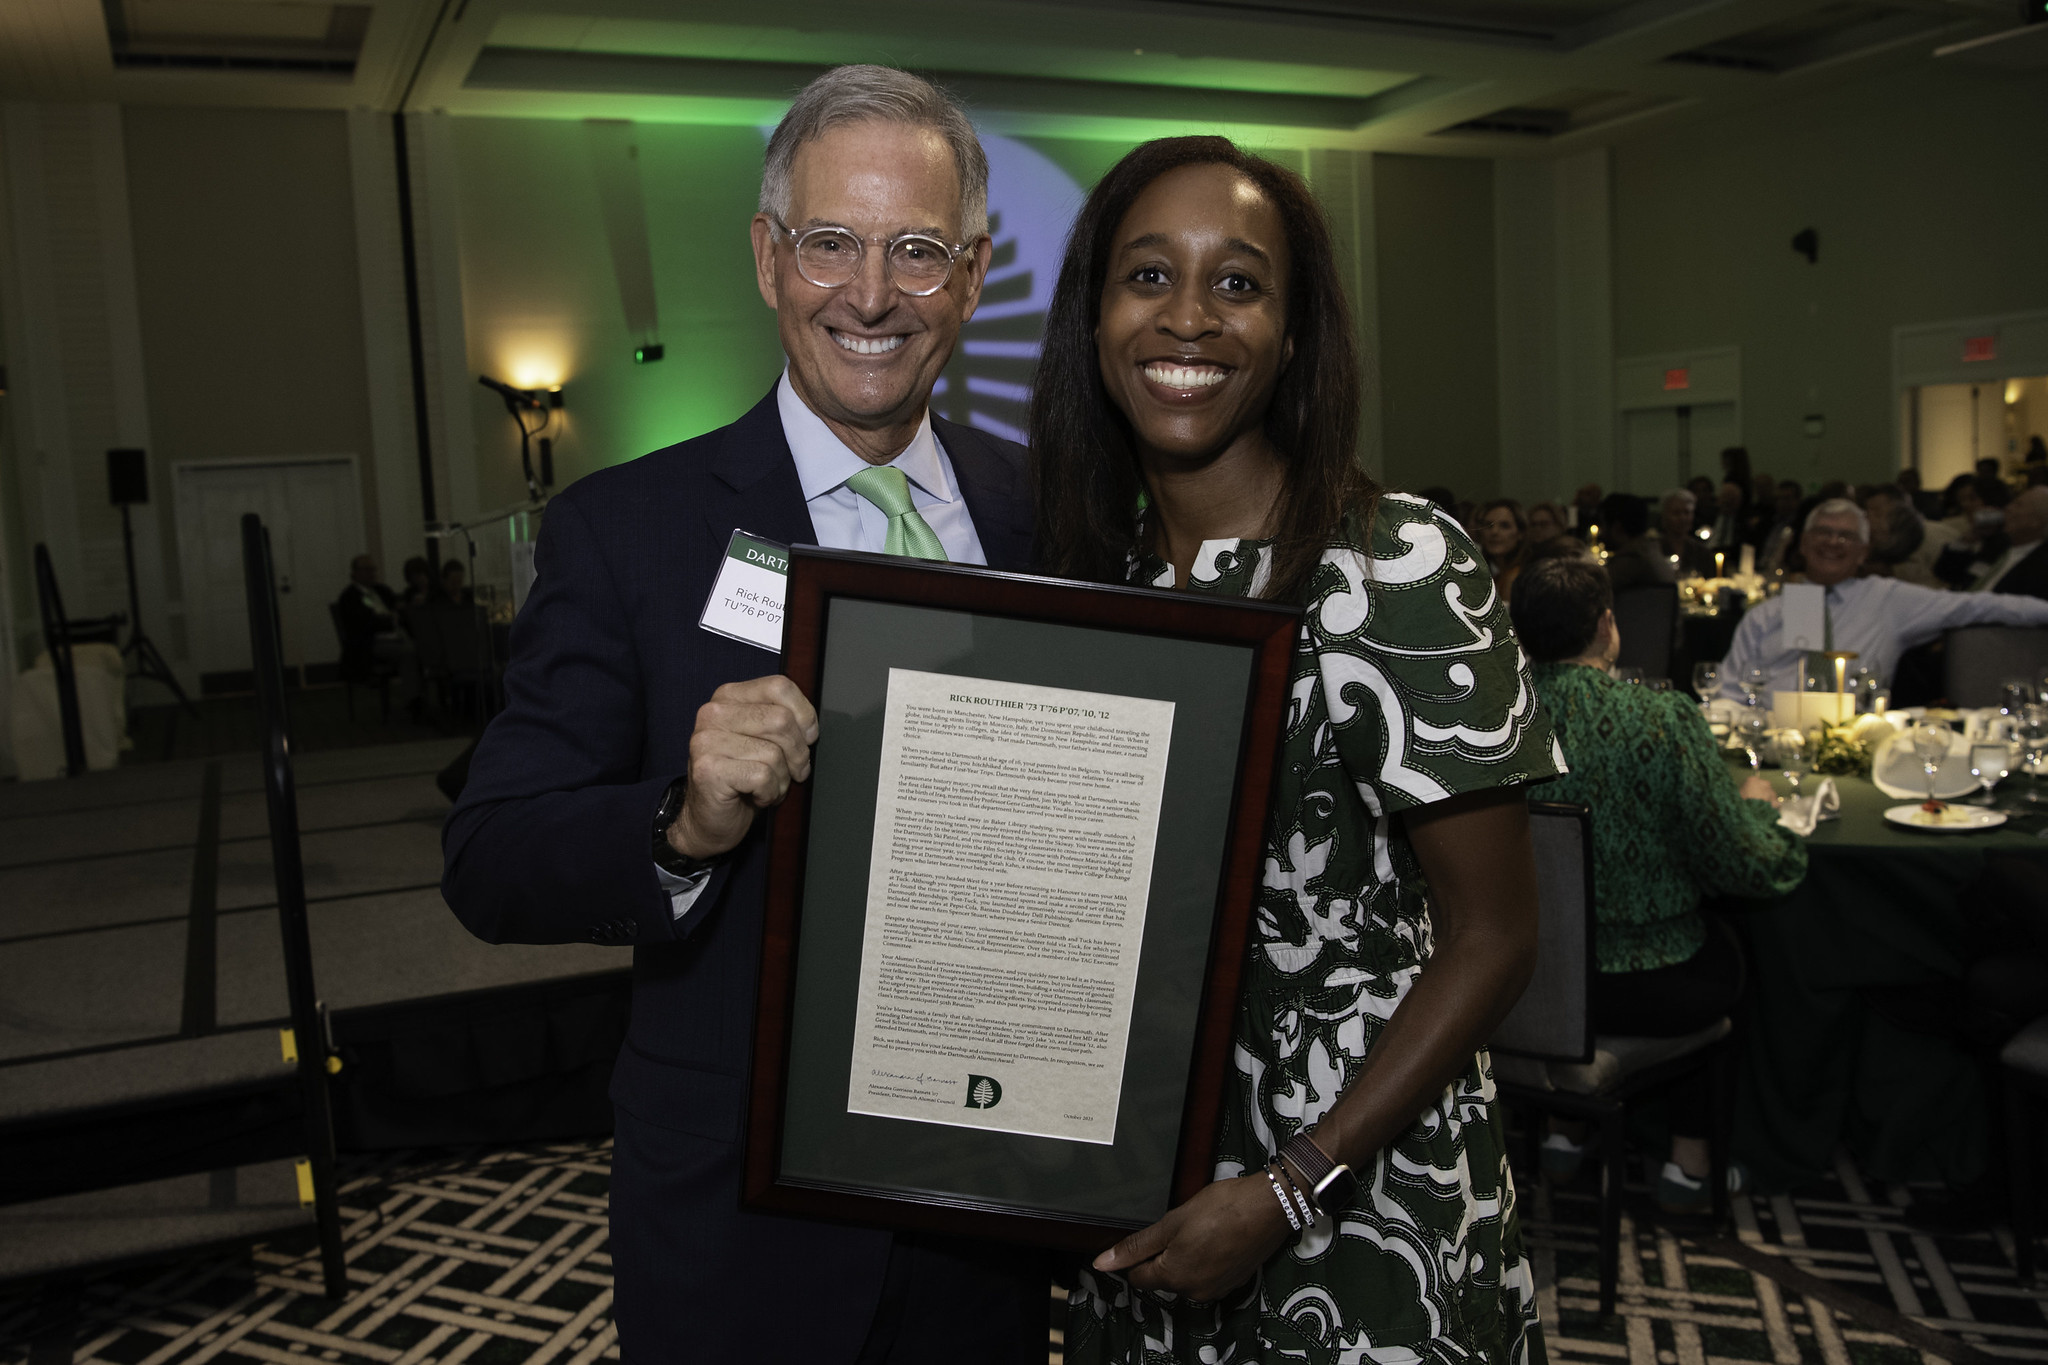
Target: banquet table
column 1831, row 1051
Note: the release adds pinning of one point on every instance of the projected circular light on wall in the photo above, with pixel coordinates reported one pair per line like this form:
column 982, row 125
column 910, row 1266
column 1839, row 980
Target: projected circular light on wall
column 1031, row 204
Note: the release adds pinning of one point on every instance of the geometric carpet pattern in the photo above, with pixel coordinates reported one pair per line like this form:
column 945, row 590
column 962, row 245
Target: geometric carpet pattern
column 1700, row 1299
column 498, row 1258
column 486, row 1257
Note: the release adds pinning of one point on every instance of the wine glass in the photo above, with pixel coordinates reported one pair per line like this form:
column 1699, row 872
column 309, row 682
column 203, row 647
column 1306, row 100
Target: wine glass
column 1795, row 757
column 2013, row 694
column 2041, row 685
column 1706, row 678
column 2034, row 747
column 1629, row 675
column 1930, row 745
column 1752, row 725
column 1658, row 684
column 1756, row 686
column 1988, row 765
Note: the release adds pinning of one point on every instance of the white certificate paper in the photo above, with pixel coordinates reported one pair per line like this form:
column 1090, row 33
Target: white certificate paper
column 1014, row 828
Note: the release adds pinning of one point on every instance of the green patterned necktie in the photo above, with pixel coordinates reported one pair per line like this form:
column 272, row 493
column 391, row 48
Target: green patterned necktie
column 909, row 533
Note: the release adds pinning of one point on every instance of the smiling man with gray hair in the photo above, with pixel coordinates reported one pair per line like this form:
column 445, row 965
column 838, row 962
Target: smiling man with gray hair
column 616, row 799
column 1878, row 618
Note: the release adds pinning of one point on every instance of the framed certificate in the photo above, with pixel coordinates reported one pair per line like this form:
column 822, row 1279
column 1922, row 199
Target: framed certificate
column 1006, row 916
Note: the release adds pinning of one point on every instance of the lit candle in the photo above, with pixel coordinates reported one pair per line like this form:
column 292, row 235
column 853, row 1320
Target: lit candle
column 1719, row 558
column 1841, row 671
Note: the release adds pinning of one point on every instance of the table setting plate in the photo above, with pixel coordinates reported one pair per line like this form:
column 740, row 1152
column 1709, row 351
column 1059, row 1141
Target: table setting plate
column 1954, row 819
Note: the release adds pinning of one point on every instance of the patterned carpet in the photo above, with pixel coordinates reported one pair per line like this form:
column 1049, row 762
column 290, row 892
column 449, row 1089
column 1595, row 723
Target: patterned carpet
column 499, row 1258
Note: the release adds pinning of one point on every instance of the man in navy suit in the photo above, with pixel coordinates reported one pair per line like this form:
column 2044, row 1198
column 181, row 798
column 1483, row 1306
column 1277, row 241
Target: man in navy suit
column 616, row 798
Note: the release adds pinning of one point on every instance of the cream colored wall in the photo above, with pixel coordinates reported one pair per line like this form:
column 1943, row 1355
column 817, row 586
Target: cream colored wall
column 1916, row 180
column 244, row 230
column 1437, row 361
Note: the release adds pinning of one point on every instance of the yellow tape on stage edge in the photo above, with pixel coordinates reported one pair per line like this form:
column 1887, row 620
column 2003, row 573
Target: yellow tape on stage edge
column 287, row 1040
column 305, row 1170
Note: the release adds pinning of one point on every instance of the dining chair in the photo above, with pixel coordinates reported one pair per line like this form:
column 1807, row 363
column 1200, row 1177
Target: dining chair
column 2024, row 1062
column 359, row 666
column 1547, row 1057
column 1978, row 660
column 1647, row 618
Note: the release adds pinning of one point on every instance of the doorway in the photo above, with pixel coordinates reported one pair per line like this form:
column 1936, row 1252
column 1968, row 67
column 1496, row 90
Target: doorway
column 1949, row 427
column 313, row 509
column 1663, row 447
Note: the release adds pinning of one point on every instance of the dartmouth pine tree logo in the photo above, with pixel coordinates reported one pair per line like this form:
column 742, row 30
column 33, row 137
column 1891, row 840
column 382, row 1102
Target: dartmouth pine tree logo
column 983, row 1092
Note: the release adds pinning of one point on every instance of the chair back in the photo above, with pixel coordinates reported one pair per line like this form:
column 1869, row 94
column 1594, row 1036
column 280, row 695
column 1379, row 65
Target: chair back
column 1647, row 618
column 462, row 640
column 1554, row 1020
column 423, row 623
column 1978, row 660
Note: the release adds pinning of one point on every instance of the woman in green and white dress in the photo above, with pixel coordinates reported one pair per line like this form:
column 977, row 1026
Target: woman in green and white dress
column 1198, row 365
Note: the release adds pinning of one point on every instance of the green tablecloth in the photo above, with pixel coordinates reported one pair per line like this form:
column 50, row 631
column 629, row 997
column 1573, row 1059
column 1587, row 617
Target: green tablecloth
column 1822, row 1065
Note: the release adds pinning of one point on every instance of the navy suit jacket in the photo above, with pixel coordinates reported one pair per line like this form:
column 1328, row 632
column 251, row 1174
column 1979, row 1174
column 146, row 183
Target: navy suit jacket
column 551, row 839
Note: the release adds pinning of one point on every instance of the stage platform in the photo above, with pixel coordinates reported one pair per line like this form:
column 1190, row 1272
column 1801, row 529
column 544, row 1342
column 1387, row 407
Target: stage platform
column 142, row 982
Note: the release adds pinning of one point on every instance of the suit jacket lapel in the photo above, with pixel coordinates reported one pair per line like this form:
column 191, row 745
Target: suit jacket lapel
column 766, row 498
column 996, row 498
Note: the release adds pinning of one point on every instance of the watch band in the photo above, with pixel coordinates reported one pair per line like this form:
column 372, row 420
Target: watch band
column 1331, row 1183
column 665, row 855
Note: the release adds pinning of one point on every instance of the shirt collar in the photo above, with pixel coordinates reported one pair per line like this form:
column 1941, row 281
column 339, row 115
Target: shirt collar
column 824, row 462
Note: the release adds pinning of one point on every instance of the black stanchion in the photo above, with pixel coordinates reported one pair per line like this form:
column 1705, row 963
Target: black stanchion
column 309, row 1024
column 57, row 639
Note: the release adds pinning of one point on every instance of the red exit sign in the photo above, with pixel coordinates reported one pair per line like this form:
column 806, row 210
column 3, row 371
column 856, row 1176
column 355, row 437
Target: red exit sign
column 1680, row 378
column 1980, row 348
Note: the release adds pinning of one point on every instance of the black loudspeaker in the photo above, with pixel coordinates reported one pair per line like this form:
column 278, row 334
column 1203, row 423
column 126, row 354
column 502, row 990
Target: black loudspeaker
column 127, row 477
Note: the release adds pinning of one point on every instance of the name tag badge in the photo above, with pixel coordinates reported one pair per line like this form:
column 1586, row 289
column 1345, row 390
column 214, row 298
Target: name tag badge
column 746, row 601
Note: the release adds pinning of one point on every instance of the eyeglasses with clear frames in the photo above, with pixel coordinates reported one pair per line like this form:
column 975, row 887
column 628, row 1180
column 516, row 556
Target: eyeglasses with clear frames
column 829, row 257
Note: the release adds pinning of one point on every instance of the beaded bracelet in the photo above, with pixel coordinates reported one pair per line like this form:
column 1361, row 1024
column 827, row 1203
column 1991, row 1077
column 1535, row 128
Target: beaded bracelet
column 1308, row 1208
column 1286, row 1205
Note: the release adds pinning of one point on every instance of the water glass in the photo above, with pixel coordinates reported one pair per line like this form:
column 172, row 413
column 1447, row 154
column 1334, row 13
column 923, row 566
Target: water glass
column 1988, row 765
column 1795, row 758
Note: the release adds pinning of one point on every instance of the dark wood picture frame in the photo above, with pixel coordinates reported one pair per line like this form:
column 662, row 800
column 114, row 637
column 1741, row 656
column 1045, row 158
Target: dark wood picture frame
column 817, row 576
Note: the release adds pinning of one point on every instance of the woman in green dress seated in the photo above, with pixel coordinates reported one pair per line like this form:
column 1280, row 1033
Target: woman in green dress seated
column 1670, row 827
column 1198, row 356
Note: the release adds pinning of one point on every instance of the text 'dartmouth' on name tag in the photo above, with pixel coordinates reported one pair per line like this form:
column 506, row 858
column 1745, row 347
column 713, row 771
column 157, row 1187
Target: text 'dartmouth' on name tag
column 746, row 601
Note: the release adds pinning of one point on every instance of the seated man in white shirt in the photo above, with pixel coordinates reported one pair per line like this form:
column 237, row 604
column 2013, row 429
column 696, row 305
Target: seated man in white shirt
column 1878, row 618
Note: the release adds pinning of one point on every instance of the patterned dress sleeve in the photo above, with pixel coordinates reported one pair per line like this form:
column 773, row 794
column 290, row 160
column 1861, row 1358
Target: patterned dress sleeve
column 1425, row 686
column 1732, row 846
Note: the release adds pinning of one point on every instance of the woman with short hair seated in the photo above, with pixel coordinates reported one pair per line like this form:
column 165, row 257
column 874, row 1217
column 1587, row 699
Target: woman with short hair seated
column 1670, row 828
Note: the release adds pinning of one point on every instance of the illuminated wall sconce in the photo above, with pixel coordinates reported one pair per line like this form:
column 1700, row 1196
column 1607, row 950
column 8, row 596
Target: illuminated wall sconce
column 647, row 355
column 555, row 398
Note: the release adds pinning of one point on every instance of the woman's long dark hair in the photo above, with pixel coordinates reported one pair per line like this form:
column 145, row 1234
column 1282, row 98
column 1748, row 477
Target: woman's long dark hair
column 1084, row 469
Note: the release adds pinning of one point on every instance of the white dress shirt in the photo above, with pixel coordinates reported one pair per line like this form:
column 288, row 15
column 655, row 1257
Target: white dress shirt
column 1879, row 618
column 844, row 520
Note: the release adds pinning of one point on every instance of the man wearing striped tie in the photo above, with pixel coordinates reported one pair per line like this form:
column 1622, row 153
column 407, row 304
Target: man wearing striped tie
column 617, row 798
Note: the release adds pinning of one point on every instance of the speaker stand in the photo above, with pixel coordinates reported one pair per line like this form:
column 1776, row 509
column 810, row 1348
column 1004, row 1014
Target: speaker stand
column 148, row 662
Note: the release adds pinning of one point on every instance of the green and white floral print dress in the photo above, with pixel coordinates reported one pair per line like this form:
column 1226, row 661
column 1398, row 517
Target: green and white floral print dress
column 1409, row 688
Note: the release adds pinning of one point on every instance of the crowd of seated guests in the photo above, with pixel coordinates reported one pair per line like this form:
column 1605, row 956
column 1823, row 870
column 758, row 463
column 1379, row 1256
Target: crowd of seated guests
column 1983, row 533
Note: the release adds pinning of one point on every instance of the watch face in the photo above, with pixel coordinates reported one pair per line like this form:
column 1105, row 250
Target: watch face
column 1337, row 1190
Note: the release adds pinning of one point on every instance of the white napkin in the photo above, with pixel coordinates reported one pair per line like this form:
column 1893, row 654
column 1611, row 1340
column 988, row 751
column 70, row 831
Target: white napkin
column 1802, row 814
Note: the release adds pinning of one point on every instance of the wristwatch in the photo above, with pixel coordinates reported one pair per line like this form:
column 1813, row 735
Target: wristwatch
column 665, row 855
column 1332, row 1184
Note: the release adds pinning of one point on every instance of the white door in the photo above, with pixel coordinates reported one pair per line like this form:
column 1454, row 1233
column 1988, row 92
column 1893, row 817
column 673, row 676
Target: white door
column 313, row 510
column 1662, row 447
